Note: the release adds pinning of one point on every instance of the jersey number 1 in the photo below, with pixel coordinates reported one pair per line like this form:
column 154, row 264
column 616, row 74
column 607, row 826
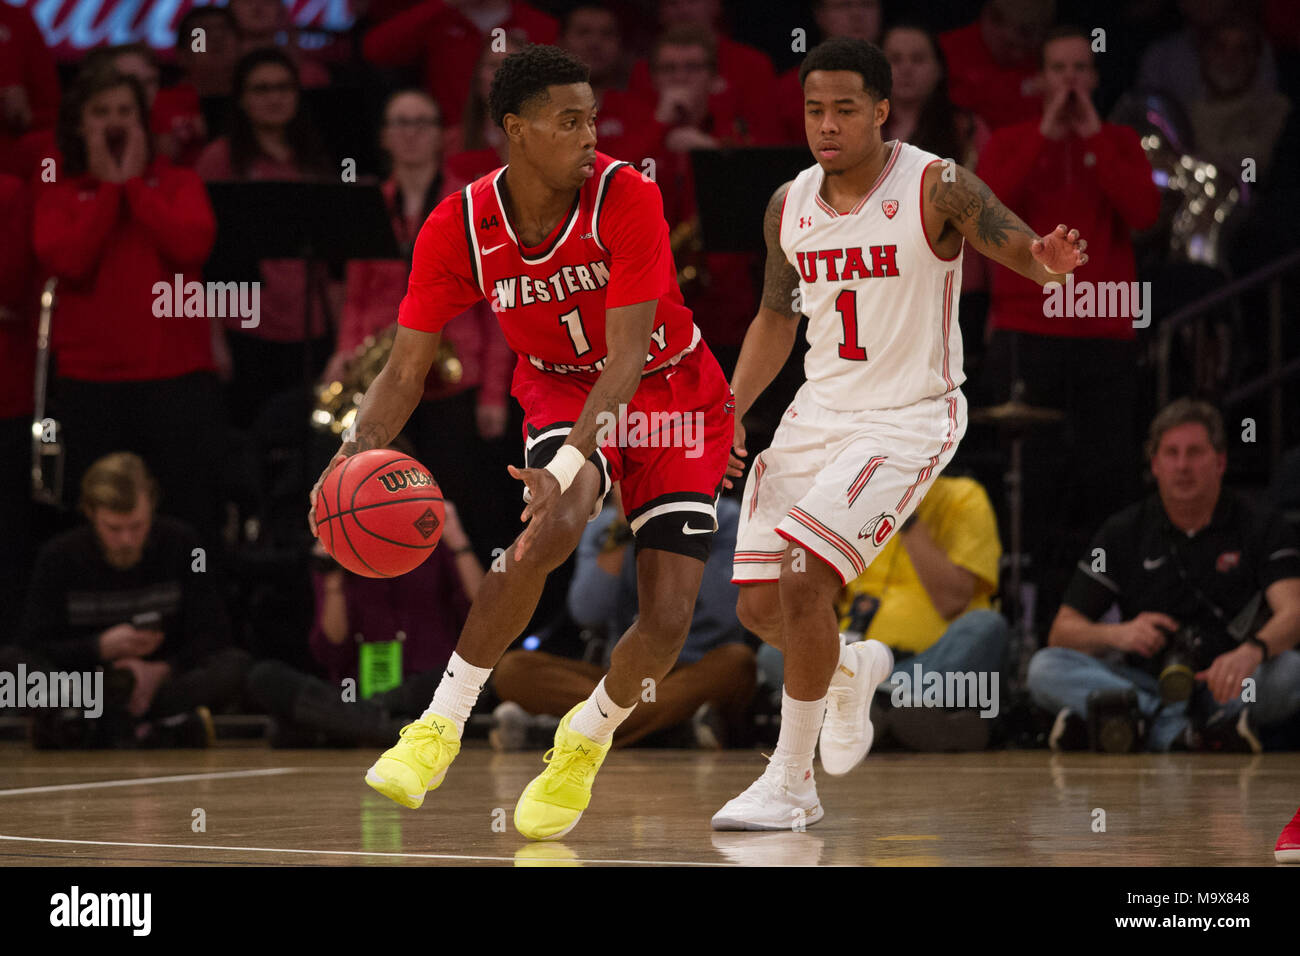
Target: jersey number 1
column 846, row 304
column 576, row 332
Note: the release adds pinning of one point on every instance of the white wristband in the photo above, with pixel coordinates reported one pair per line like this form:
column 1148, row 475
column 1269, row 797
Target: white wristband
column 565, row 466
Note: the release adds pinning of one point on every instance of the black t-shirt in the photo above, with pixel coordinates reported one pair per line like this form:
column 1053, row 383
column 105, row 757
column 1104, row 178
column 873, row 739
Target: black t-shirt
column 75, row 596
column 1140, row 561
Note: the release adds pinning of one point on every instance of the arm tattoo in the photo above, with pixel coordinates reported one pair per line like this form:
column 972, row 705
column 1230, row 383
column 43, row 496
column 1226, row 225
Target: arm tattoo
column 779, row 277
column 968, row 201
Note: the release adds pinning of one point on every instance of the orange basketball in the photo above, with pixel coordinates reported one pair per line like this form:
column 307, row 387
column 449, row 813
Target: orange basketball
column 379, row 513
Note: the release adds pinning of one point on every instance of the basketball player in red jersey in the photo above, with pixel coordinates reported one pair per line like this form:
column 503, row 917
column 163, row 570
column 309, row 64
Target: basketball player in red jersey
column 867, row 243
column 571, row 248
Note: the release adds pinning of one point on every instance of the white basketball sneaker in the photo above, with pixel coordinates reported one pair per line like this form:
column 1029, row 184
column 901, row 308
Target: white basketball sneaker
column 847, row 732
column 783, row 798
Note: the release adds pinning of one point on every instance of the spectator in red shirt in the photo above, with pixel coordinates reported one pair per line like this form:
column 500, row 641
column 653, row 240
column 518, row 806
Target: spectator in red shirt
column 741, row 71
column 1069, row 165
column 271, row 138
column 834, row 18
column 29, row 89
column 118, row 221
column 260, row 22
column 993, row 62
column 444, row 37
column 477, row 146
column 210, row 71
column 193, row 111
column 718, row 287
column 459, row 427
column 625, row 127
column 175, row 119
column 17, row 380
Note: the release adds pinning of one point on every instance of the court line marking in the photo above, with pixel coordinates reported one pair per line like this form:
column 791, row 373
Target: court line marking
column 420, row 856
column 175, row 778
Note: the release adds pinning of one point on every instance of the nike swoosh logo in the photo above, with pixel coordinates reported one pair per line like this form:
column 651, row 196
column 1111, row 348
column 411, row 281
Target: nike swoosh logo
column 602, row 713
column 687, row 529
column 486, row 251
column 1149, row 564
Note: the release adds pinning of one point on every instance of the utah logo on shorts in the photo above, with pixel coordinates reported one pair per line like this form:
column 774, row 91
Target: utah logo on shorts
column 878, row 528
column 890, row 206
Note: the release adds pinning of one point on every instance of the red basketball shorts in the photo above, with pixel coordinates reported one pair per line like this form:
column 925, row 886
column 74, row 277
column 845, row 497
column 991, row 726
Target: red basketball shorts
column 667, row 448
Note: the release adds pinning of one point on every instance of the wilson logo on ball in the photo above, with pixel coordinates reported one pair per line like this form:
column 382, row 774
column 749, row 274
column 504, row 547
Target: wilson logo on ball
column 877, row 529
column 395, row 481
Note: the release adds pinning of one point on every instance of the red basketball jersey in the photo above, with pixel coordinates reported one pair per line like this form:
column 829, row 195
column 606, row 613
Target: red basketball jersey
column 611, row 250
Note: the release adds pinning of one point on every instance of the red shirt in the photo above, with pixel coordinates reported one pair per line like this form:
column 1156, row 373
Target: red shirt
column 449, row 44
column 626, row 127
column 611, row 250
column 25, row 61
column 1101, row 186
column 788, row 105
column 109, row 244
column 997, row 94
column 17, row 300
column 178, row 116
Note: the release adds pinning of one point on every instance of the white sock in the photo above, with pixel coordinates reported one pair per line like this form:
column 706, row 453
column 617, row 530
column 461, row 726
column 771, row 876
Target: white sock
column 458, row 691
column 847, row 667
column 599, row 717
column 801, row 722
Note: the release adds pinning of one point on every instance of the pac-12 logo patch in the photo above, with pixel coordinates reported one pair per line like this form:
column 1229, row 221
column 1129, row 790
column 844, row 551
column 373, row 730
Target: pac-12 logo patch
column 890, row 206
column 878, row 529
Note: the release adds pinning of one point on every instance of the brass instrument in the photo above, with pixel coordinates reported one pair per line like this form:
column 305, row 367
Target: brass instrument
column 688, row 252
column 337, row 403
column 1206, row 198
column 1198, row 198
column 48, row 450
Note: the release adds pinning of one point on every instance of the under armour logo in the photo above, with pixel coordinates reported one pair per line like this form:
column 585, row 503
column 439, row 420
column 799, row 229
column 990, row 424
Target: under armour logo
column 805, row 222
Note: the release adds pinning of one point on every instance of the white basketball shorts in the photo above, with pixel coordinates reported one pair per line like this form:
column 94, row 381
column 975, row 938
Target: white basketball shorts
column 838, row 484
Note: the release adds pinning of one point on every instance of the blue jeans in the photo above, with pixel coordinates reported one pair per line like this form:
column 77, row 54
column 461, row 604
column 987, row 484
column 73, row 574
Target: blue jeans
column 1061, row 678
column 976, row 641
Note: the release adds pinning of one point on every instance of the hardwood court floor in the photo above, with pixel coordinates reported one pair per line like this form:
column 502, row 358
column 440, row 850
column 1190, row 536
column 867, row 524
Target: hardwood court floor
column 650, row 807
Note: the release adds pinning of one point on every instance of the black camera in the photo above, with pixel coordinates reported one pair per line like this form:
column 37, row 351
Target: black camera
column 1181, row 660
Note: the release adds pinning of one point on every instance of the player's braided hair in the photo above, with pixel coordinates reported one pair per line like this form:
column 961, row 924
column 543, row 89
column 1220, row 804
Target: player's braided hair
column 859, row 56
column 527, row 74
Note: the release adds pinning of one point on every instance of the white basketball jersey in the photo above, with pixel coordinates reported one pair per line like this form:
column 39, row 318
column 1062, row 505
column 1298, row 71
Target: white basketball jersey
column 881, row 304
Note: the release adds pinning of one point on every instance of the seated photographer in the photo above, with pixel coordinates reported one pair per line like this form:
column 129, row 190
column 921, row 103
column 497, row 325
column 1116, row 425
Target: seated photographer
column 391, row 637
column 927, row 596
column 712, row 683
column 1194, row 569
column 130, row 593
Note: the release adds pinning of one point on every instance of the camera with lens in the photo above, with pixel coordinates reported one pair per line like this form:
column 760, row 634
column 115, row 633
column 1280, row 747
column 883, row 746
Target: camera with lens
column 1185, row 655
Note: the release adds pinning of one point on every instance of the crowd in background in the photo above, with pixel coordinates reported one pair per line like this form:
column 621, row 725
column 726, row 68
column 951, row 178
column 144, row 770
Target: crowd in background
column 189, row 434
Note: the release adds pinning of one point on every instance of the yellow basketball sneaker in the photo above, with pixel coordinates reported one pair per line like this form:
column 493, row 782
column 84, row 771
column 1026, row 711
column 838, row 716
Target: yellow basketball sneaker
column 552, row 804
column 418, row 762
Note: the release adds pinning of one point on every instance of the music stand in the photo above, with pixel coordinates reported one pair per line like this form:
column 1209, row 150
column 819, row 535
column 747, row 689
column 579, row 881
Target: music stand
column 319, row 222
column 732, row 187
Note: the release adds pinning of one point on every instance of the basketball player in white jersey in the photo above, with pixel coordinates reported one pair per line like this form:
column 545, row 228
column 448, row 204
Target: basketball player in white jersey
column 867, row 243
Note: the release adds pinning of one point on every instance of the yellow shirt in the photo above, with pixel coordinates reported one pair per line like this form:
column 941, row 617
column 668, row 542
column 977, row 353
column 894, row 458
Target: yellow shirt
column 959, row 517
